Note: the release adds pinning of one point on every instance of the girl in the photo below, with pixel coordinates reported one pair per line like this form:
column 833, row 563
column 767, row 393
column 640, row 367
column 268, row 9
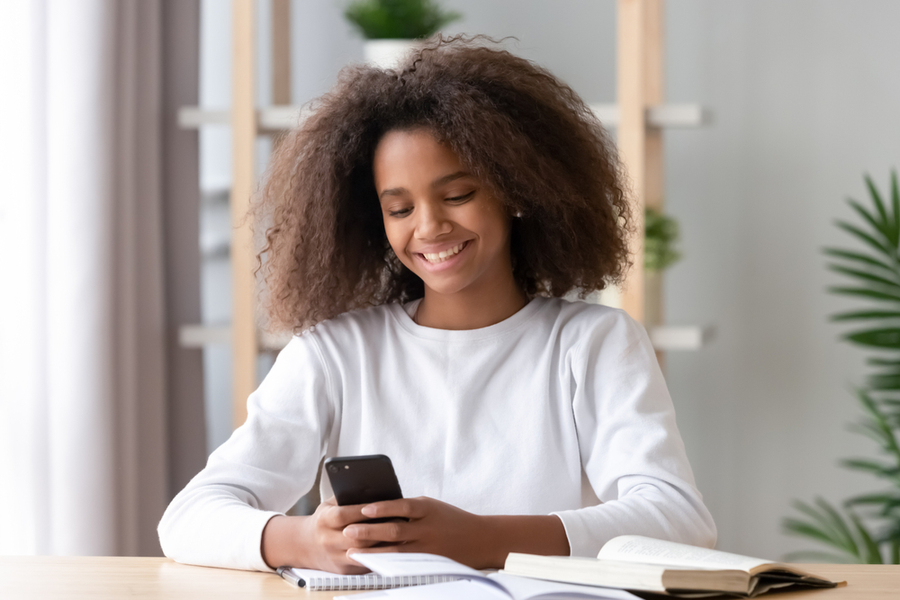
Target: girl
column 422, row 227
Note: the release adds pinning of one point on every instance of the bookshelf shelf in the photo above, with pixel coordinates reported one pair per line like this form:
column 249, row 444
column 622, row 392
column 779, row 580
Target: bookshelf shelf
column 664, row 339
column 281, row 118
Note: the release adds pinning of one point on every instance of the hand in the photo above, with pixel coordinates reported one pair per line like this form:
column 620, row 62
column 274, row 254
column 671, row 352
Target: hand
column 434, row 527
column 316, row 541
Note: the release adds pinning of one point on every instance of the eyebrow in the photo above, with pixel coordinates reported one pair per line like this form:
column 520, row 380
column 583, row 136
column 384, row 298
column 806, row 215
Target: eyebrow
column 397, row 191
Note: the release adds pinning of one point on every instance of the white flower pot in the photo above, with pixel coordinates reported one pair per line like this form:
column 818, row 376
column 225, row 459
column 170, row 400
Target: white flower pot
column 387, row 54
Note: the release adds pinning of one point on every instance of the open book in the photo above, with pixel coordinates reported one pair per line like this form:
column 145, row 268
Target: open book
column 472, row 584
column 638, row 563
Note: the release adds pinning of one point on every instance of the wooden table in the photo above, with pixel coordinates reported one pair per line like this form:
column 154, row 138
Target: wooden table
column 26, row 577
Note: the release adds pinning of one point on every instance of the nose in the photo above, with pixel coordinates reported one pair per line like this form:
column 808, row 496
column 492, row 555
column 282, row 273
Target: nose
column 432, row 222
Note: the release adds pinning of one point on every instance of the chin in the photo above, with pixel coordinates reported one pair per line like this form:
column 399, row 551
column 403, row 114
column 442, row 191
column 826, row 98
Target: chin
column 444, row 288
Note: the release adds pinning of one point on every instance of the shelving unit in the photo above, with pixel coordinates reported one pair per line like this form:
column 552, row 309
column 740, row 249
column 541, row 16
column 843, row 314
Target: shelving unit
column 640, row 116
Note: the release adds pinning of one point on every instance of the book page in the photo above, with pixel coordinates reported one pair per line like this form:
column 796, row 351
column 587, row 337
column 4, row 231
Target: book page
column 508, row 588
column 639, row 549
column 441, row 591
column 523, row 588
column 400, row 564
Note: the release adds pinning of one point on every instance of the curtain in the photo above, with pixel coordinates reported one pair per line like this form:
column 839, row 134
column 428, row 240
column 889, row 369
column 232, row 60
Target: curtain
column 83, row 464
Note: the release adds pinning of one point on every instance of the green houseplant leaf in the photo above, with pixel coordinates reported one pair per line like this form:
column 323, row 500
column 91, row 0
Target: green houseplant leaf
column 398, row 19
column 660, row 239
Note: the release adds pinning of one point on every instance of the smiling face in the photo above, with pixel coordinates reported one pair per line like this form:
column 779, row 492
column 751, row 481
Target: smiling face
column 442, row 222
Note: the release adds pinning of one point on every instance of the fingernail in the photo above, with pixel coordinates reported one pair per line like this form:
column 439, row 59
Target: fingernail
column 369, row 510
column 350, row 531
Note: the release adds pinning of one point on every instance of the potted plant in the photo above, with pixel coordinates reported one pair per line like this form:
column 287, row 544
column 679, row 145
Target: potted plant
column 660, row 252
column 391, row 27
column 866, row 529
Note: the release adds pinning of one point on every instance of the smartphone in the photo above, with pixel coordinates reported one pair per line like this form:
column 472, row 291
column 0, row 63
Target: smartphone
column 362, row 479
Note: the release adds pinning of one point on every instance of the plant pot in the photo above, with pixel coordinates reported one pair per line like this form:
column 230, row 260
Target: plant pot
column 387, row 54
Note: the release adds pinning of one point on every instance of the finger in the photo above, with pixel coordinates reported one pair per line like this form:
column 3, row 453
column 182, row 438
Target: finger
column 382, row 548
column 331, row 501
column 336, row 540
column 338, row 517
column 408, row 508
column 393, row 532
column 343, row 564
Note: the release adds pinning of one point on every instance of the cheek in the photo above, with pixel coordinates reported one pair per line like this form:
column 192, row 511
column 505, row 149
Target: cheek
column 396, row 238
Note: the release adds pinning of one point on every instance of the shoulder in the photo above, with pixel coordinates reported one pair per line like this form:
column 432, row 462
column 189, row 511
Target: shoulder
column 583, row 328
column 358, row 322
column 352, row 329
column 580, row 318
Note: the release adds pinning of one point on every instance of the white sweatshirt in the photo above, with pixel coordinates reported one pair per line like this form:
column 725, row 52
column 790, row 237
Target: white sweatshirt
column 543, row 413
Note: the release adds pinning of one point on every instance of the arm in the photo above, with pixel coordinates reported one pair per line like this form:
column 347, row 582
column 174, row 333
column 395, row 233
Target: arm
column 631, row 450
column 260, row 472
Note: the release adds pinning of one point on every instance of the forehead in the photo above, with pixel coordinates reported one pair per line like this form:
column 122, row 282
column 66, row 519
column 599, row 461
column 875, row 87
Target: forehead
column 407, row 157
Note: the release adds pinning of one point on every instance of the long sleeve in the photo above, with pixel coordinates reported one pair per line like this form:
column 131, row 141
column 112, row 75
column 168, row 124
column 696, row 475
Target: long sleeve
column 630, row 447
column 261, row 471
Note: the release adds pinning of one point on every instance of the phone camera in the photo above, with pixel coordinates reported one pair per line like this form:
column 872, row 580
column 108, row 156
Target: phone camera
column 333, row 468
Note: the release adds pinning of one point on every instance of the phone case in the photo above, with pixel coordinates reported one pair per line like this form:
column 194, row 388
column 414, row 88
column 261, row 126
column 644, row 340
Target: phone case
column 362, row 479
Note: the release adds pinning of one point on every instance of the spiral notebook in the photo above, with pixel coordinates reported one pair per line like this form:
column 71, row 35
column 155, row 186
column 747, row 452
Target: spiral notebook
column 316, row 581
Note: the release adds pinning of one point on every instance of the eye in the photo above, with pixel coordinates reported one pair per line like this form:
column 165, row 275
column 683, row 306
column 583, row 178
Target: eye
column 461, row 199
column 400, row 212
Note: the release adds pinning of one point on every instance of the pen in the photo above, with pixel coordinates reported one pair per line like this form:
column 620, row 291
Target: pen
column 288, row 575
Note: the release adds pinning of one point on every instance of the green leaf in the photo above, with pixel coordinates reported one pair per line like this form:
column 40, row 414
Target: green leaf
column 883, row 382
column 866, row 314
column 886, row 337
column 860, row 257
column 865, row 237
column 883, row 362
column 883, row 227
column 865, row 276
column 871, row 466
column 880, row 422
column 802, row 528
column 877, row 498
column 872, row 554
column 826, row 521
column 888, row 508
column 876, row 199
column 895, row 199
column 839, row 525
column 866, row 293
column 870, row 431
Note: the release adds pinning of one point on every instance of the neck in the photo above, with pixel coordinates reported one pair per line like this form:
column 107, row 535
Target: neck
column 471, row 309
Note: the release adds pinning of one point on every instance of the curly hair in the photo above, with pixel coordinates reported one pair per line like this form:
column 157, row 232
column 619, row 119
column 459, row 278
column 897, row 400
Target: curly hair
column 517, row 128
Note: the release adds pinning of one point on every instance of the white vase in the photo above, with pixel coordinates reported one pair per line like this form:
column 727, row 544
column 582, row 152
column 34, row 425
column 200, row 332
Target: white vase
column 387, row 54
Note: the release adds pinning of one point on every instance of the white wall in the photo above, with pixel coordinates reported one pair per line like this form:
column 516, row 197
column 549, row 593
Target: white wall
column 805, row 97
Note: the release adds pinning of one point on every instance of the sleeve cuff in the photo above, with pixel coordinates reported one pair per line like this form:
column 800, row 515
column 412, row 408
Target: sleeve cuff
column 253, row 533
column 580, row 541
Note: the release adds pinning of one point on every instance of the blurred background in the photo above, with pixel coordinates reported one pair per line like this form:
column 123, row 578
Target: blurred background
column 116, row 240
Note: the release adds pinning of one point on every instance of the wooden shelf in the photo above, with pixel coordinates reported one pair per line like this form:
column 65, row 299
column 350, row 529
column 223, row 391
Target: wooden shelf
column 691, row 337
column 664, row 339
column 282, row 118
column 200, row 336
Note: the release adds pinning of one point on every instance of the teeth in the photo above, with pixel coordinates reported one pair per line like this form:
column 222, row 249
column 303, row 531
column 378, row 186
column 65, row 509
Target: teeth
column 442, row 256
